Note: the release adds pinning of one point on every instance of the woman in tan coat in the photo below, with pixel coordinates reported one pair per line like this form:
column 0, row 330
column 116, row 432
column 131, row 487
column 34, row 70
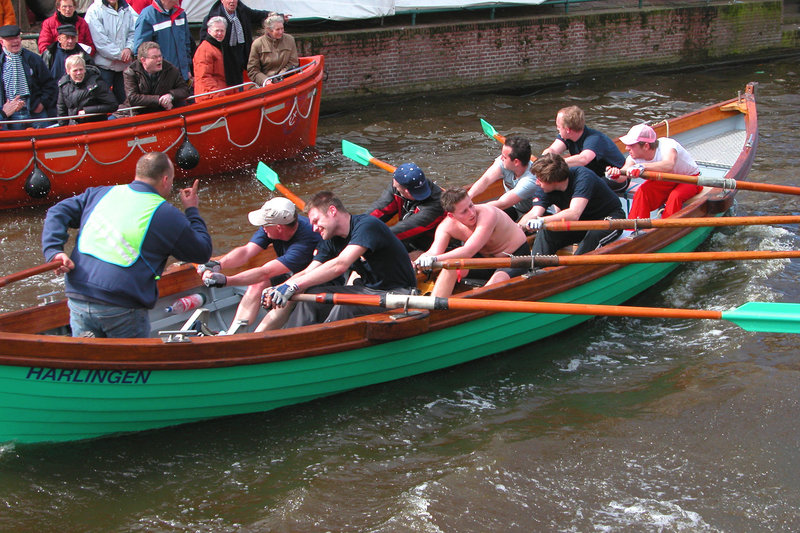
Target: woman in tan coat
column 272, row 54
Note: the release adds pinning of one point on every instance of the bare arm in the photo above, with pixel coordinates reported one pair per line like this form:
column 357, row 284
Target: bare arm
column 580, row 160
column 255, row 275
column 324, row 272
column 558, row 147
column 507, row 200
column 491, row 175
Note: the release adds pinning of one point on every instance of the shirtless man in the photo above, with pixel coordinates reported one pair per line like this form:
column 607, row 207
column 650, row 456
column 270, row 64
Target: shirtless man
column 483, row 229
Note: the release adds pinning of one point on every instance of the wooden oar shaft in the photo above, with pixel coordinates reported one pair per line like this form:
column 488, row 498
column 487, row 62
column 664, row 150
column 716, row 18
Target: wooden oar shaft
column 647, row 223
column 722, row 183
column 541, row 261
column 296, row 200
column 394, row 301
column 28, row 272
column 382, row 164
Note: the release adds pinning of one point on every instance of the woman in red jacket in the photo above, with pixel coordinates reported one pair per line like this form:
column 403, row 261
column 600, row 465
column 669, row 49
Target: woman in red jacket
column 65, row 14
column 209, row 69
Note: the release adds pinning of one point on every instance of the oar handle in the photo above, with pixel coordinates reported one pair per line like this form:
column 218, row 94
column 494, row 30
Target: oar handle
column 28, row 272
column 721, row 183
column 541, row 261
column 296, row 200
column 382, row 164
column 647, row 223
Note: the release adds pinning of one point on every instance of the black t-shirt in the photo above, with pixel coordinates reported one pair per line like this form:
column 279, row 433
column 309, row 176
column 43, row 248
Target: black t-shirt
column 385, row 265
column 583, row 183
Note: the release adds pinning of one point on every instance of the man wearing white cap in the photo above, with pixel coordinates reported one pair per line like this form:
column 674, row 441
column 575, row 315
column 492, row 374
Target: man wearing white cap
column 294, row 243
column 416, row 202
column 656, row 155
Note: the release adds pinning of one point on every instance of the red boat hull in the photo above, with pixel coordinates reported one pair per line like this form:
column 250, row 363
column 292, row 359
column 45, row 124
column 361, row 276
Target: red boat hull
column 229, row 132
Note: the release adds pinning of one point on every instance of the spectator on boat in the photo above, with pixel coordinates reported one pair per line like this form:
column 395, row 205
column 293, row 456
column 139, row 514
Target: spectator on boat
column 209, row 63
column 293, row 240
column 7, row 14
column 416, row 202
column 587, row 147
column 236, row 46
column 64, row 14
column 25, row 79
column 152, row 82
column 513, row 166
column 165, row 23
column 272, row 54
column 646, row 152
column 82, row 91
column 112, row 276
column 358, row 242
column 483, row 230
column 66, row 45
column 111, row 23
column 580, row 194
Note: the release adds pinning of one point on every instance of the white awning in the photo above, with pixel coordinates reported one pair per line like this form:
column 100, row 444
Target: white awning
column 196, row 10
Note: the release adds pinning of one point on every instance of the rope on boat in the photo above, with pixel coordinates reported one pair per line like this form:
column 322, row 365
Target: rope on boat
column 136, row 143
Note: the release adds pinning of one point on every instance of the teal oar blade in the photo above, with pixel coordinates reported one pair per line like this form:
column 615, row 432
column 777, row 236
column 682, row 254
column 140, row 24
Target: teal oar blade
column 488, row 129
column 766, row 316
column 267, row 176
column 357, row 153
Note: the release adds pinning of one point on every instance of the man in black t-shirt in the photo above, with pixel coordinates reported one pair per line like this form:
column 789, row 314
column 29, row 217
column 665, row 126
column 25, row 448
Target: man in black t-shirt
column 580, row 195
column 361, row 243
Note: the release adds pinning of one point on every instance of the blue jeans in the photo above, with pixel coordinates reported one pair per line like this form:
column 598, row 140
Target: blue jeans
column 116, row 82
column 104, row 320
column 23, row 114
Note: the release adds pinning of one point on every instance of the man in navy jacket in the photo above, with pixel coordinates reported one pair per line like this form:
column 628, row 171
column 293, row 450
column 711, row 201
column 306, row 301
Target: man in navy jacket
column 127, row 232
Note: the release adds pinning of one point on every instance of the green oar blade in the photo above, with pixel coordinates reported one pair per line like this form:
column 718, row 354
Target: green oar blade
column 766, row 316
column 488, row 129
column 267, row 176
column 357, row 153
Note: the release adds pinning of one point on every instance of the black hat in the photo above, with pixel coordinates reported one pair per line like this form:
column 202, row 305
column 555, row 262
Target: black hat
column 67, row 29
column 11, row 30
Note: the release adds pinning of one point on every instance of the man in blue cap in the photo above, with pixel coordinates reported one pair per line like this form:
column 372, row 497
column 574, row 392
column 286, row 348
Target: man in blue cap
column 416, row 202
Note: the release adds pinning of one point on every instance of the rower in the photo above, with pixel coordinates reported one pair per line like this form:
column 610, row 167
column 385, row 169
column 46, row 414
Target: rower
column 513, row 166
column 579, row 194
column 647, row 152
column 293, row 240
column 484, row 230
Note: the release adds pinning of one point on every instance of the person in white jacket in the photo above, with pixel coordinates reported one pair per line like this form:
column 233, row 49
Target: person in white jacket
column 112, row 24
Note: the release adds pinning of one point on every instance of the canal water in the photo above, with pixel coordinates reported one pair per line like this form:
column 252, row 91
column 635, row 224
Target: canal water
column 618, row 425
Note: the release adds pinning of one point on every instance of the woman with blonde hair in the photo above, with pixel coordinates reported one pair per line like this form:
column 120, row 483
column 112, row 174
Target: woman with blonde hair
column 273, row 53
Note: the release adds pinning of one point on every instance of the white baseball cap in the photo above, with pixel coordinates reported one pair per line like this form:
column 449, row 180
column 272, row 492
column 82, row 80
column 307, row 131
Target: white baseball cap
column 276, row 211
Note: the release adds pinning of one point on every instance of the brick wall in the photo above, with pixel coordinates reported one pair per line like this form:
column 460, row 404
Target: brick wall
column 530, row 50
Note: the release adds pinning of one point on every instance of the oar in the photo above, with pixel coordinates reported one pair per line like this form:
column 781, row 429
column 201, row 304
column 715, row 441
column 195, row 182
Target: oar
column 489, row 130
column 269, row 177
column 647, row 223
column 721, row 183
column 541, row 261
column 752, row 316
column 361, row 155
column 28, row 272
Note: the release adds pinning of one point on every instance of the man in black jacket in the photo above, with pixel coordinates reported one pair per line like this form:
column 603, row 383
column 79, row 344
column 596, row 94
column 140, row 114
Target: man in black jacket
column 415, row 201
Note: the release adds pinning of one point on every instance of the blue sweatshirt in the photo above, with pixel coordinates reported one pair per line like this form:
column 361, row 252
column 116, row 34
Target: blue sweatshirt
column 171, row 232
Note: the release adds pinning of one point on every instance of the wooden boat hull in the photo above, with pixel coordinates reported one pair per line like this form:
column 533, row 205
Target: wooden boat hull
column 55, row 388
column 228, row 132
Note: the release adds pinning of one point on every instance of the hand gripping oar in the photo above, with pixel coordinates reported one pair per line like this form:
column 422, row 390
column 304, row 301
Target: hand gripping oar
column 722, row 183
column 28, row 272
column 647, row 223
column 541, row 261
column 489, row 130
column 269, row 178
column 752, row 316
column 361, row 155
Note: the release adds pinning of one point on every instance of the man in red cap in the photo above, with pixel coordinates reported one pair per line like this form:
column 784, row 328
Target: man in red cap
column 646, row 152
column 415, row 201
